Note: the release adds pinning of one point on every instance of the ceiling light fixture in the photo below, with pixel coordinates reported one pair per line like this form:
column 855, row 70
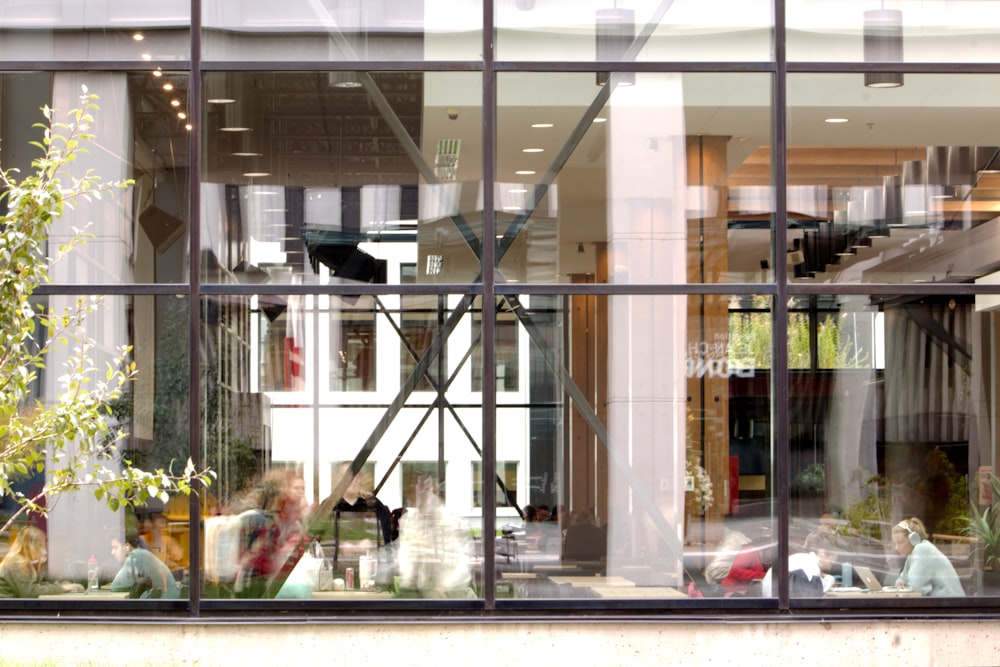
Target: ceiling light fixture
column 542, row 125
column 614, row 35
column 343, row 80
column 834, row 120
column 525, row 172
column 883, row 43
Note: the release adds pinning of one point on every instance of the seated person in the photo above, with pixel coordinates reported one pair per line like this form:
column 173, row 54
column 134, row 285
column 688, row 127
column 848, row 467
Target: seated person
column 926, row 569
column 725, row 554
column 22, row 569
column 357, row 523
column 142, row 574
column 749, row 567
column 808, row 575
column 584, row 540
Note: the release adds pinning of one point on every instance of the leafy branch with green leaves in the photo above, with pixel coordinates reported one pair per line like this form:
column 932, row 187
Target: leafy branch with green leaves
column 71, row 439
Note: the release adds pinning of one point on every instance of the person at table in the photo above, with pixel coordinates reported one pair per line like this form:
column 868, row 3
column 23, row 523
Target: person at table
column 142, row 574
column 926, row 569
column 345, row 520
column 748, row 570
column 22, row 569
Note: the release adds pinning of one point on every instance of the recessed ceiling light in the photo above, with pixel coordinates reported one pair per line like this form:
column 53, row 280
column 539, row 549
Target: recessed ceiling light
column 256, row 174
column 138, row 36
column 525, row 172
column 146, row 57
column 168, row 86
column 542, row 125
column 246, row 154
column 181, row 115
column 600, row 119
column 532, row 150
column 835, row 120
column 175, row 103
column 158, row 72
column 234, row 129
column 517, row 191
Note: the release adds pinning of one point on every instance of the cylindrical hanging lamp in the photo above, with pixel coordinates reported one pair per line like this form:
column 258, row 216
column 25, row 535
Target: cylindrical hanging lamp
column 883, row 43
column 615, row 34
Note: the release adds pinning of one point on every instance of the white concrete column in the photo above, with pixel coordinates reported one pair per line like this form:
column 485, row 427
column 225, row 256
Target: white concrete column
column 647, row 334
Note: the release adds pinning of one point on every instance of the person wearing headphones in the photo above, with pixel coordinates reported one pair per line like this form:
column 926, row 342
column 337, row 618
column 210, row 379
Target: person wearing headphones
column 926, row 569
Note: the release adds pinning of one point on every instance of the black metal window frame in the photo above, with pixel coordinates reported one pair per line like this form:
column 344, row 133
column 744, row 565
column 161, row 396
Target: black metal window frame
column 489, row 607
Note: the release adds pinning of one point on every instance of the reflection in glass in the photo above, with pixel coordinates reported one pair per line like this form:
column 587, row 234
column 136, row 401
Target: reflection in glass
column 665, row 180
column 683, row 30
column 931, row 31
column 309, row 182
column 115, row 30
column 348, row 30
column 889, row 191
column 135, row 234
column 81, row 530
column 367, row 432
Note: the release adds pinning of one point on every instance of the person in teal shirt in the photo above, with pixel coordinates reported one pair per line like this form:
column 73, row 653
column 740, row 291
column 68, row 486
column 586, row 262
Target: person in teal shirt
column 142, row 574
column 926, row 570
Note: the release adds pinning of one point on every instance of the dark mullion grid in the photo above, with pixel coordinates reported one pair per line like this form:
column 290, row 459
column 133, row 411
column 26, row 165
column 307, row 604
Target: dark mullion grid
column 779, row 325
column 780, row 289
column 194, row 309
column 489, row 312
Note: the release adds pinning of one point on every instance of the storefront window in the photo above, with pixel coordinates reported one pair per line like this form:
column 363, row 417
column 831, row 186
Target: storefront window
column 355, row 474
column 863, row 31
column 89, row 542
column 134, row 234
column 646, row 30
column 654, row 178
column 346, row 30
column 123, row 30
column 308, row 181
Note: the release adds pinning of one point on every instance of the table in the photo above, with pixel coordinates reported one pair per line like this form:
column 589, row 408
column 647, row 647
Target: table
column 889, row 592
column 591, row 582
column 351, row 595
column 633, row 592
column 100, row 594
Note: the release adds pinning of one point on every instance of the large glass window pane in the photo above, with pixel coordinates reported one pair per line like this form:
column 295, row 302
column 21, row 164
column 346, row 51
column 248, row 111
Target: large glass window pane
column 361, row 472
column 308, row 179
column 683, row 30
column 867, row 31
column 664, row 180
column 903, row 437
column 124, row 30
column 645, row 472
column 135, row 234
column 904, row 201
column 136, row 552
column 349, row 30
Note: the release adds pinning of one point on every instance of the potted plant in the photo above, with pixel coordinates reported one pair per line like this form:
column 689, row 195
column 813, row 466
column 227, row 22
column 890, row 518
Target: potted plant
column 984, row 526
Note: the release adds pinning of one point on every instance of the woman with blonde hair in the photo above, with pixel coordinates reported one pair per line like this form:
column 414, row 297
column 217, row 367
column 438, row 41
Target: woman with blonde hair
column 21, row 570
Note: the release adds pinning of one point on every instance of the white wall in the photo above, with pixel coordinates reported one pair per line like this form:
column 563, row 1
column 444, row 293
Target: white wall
column 582, row 642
